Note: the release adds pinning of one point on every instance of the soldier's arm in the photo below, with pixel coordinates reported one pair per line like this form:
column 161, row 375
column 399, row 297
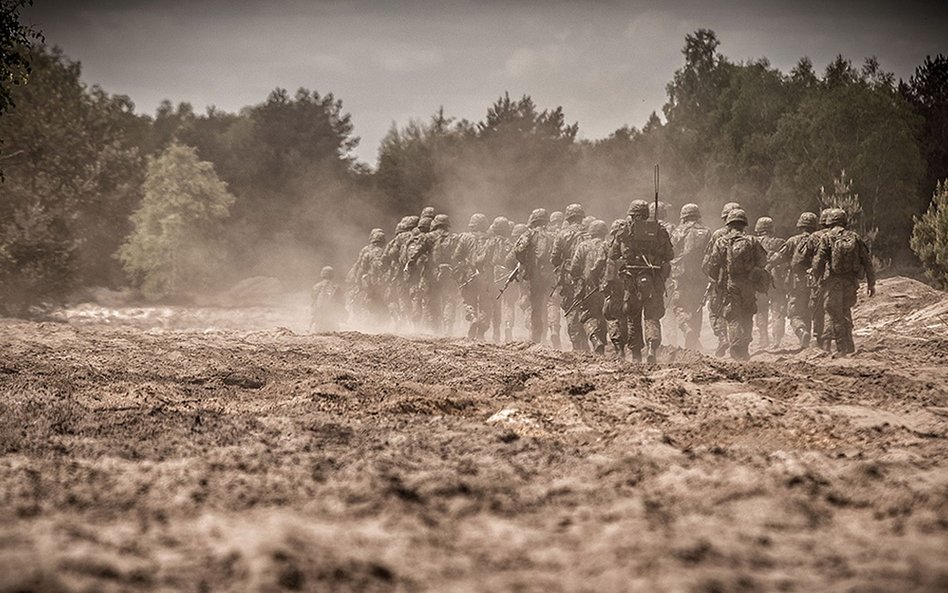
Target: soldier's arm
column 577, row 264
column 821, row 256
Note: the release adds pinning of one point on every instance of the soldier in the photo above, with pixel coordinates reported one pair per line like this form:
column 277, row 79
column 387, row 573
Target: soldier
column 398, row 297
column 840, row 261
column 690, row 285
column 328, row 307
column 415, row 270
column 436, row 249
column 515, row 297
column 802, row 263
column 555, row 302
column 498, row 248
column 738, row 262
column 587, row 268
column 367, row 281
column 641, row 254
column 716, row 300
column 427, row 212
column 771, row 305
column 475, row 272
column 564, row 245
column 533, row 251
column 798, row 289
column 617, row 319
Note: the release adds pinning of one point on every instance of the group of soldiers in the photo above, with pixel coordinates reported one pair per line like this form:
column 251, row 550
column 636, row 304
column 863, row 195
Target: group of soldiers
column 608, row 283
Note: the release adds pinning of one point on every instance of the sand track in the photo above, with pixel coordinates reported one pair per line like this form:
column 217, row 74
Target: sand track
column 179, row 460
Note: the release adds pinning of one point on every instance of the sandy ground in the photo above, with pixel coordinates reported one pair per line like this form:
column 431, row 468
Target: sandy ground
column 167, row 459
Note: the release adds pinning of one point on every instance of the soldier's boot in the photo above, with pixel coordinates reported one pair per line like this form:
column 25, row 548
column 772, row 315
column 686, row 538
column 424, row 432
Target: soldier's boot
column 721, row 350
column 652, row 351
column 554, row 338
column 804, row 337
column 620, row 353
column 740, row 352
column 636, row 354
column 600, row 349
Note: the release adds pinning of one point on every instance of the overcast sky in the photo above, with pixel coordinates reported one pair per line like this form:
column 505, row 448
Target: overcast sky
column 606, row 62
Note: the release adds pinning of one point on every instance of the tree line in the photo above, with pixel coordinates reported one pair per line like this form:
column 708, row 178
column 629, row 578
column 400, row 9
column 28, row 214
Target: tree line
column 95, row 194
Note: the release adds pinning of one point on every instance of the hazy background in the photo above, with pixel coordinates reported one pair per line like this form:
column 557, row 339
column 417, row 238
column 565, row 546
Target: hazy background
column 606, row 63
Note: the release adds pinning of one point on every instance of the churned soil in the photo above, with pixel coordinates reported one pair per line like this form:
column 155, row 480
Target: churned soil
column 175, row 459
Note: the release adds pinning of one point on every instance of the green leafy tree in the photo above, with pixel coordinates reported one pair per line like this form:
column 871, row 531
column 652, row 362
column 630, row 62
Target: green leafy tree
column 72, row 168
column 175, row 246
column 930, row 236
column 858, row 122
column 927, row 91
column 15, row 40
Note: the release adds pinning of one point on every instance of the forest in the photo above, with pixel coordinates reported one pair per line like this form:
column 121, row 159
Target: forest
column 177, row 202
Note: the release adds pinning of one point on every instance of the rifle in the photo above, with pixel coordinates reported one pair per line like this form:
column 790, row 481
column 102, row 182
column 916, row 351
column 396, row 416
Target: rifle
column 514, row 275
column 471, row 279
column 577, row 302
column 707, row 295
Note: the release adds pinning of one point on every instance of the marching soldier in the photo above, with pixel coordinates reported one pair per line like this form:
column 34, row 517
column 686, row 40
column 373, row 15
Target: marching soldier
column 798, row 289
column 641, row 254
column 690, row 285
column 564, row 245
column 587, row 268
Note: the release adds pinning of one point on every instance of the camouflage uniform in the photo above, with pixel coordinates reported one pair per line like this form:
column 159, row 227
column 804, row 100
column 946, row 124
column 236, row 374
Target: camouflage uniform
column 771, row 305
column 716, row 294
column 367, row 280
column 533, row 251
column 689, row 284
column 737, row 288
column 613, row 288
column 398, row 297
column 587, row 269
column 802, row 263
column 839, row 280
column 641, row 254
column 416, row 273
column 554, row 301
column 798, row 289
column 564, row 245
column 498, row 248
column 441, row 245
column 475, row 274
column 328, row 308
column 515, row 297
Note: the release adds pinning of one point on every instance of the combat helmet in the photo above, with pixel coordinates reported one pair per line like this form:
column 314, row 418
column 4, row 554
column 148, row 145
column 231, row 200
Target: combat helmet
column 824, row 217
column 377, row 237
column 727, row 208
column 690, row 211
column 837, row 217
column 574, row 211
column 441, row 221
column 736, row 216
column 556, row 219
column 500, row 226
column 588, row 220
column 807, row 221
column 517, row 230
column 327, row 273
column 538, row 216
column 764, row 224
column 638, row 209
column 478, row 222
column 424, row 224
column 427, row 211
column 598, row 228
column 405, row 224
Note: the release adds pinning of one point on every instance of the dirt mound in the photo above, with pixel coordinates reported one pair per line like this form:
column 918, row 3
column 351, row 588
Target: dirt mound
column 901, row 304
column 269, row 461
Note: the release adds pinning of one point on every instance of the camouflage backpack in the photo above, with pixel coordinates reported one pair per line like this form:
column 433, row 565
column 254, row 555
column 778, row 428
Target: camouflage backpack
column 740, row 256
column 844, row 253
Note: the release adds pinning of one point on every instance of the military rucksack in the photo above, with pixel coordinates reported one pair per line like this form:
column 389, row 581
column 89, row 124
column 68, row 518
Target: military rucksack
column 844, row 253
column 741, row 259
